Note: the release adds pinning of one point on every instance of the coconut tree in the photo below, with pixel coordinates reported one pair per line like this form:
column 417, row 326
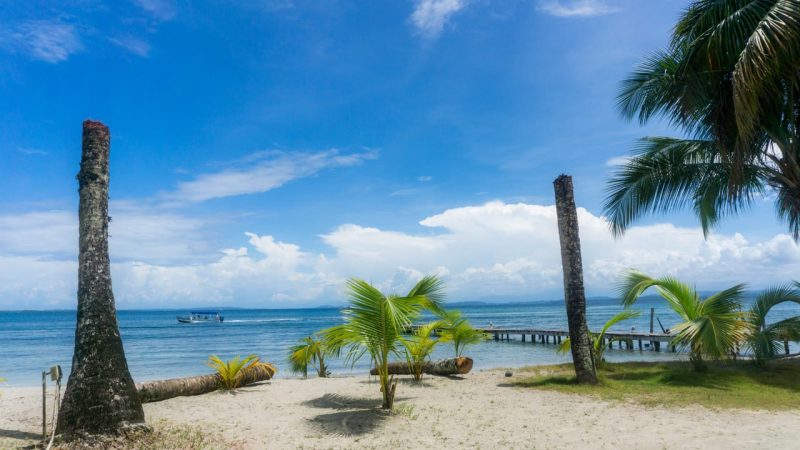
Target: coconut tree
column 599, row 341
column 100, row 397
column 459, row 331
column 711, row 327
column 419, row 346
column 310, row 351
column 765, row 340
column 574, row 294
column 730, row 81
column 374, row 323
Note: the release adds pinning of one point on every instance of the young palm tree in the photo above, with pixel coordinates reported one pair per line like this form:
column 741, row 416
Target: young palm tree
column 765, row 339
column 711, row 327
column 230, row 372
column 375, row 322
column 730, row 80
column 599, row 342
column 460, row 332
column 309, row 351
column 418, row 348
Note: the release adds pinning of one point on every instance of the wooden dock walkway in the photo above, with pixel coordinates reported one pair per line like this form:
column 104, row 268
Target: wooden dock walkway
column 651, row 341
column 644, row 341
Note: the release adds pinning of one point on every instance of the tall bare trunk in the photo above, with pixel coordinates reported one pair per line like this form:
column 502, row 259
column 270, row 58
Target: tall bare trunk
column 100, row 397
column 574, row 295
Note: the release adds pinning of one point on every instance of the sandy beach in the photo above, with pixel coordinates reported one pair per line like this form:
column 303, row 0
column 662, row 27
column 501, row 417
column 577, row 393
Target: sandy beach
column 481, row 410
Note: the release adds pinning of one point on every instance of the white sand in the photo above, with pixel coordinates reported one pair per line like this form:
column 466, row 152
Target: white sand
column 479, row 411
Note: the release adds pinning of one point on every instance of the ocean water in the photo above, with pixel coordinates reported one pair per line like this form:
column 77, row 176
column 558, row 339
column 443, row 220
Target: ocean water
column 157, row 346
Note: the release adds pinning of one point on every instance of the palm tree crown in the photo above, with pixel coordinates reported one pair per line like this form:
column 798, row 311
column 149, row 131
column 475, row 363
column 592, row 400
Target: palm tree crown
column 730, row 80
column 711, row 327
column 374, row 323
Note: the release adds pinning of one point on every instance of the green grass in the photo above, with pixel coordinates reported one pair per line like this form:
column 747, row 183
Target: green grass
column 729, row 385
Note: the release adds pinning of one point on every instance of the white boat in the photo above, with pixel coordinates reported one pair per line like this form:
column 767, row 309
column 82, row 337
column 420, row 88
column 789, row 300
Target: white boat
column 201, row 317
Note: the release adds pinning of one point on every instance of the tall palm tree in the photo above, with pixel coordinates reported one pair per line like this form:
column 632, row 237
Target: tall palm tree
column 711, row 327
column 765, row 339
column 374, row 323
column 574, row 294
column 100, row 397
column 730, row 80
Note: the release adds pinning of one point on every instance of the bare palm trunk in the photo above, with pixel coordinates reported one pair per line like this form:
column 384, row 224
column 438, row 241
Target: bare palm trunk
column 574, row 296
column 155, row 391
column 443, row 367
column 100, row 397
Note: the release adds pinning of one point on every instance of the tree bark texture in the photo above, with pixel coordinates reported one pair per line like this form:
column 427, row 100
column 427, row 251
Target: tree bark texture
column 574, row 295
column 155, row 391
column 453, row 366
column 100, row 397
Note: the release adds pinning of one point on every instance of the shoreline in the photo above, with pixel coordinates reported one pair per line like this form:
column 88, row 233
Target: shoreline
column 479, row 410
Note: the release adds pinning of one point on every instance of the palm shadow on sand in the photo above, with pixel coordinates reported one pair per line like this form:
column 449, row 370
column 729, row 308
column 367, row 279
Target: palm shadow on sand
column 353, row 416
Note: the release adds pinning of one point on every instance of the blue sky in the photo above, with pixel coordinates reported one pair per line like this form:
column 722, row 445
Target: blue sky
column 376, row 139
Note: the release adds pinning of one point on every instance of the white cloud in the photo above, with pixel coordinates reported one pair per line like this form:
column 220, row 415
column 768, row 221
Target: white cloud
column 261, row 172
column 160, row 9
column 51, row 41
column 132, row 44
column 134, row 234
column 424, row 178
column 618, row 161
column 576, row 8
column 430, row 16
column 483, row 250
column 32, row 151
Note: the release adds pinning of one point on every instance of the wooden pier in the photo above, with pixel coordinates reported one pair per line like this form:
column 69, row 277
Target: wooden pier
column 650, row 341
column 627, row 340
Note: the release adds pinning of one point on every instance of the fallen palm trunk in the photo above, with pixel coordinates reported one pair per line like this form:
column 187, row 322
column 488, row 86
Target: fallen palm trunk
column 442, row 367
column 155, row 391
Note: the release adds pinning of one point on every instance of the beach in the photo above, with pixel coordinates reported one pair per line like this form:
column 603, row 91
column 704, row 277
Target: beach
column 480, row 410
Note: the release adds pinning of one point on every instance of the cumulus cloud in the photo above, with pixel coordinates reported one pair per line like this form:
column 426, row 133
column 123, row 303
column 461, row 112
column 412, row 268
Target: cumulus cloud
column 51, row 41
column 430, row 16
column 493, row 249
column 261, row 172
column 576, row 8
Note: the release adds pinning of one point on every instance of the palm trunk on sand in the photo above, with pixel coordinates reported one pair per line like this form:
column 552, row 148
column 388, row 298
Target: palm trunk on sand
column 155, row 391
column 100, row 397
column 574, row 296
column 442, row 367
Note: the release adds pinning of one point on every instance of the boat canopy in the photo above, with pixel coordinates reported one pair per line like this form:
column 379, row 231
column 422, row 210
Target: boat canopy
column 204, row 312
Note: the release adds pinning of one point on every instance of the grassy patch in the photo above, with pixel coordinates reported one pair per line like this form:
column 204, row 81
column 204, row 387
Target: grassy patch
column 729, row 385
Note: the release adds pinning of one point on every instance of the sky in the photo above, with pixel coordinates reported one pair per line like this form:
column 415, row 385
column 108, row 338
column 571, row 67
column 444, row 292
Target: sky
column 263, row 152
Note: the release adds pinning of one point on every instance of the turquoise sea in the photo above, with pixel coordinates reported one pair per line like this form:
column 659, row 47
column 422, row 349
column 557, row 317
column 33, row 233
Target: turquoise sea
column 157, row 346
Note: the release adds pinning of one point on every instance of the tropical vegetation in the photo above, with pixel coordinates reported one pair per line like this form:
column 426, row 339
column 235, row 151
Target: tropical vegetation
column 419, row 346
column 711, row 327
column 230, row 372
column 374, row 323
column 458, row 330
column 310, row 351
column 730, row 81
column 733, row 384
column 599, row 341
column 766, row 339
